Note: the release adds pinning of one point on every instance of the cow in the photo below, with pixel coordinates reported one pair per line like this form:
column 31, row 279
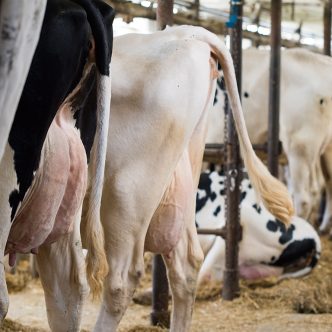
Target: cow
column 162, row 88
column 60, row 127
column 305, row 117
column 20, row 24
column 267, row 247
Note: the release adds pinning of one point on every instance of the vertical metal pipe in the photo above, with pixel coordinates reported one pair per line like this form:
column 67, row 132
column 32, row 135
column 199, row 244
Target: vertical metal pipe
column 164, row 14
column 160, row 315
column 274, row 88
column 196, row 8
column 293, row 11
column 327, row 27
column 233, row 170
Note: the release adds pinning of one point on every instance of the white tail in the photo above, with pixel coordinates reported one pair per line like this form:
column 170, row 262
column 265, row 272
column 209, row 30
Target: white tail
column 97, row 266
column 270, row 190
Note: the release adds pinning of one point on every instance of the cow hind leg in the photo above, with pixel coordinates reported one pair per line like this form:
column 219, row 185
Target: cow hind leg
column 183, row 265
column 4, row 299
column 124, row 249
column 184, row 261
column 61, row 267
column 8, row 182
column 120, row 285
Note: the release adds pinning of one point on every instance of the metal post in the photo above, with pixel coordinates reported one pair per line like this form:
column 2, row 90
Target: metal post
column 160, row 315
column 293, row 11
column 164, row 14
column 274, row 88
column 327, row 27
column 233, row 168
column 196, row 8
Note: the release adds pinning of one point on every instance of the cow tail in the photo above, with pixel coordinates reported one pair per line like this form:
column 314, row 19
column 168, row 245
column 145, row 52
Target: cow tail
column 96, row 261
column 270, row 190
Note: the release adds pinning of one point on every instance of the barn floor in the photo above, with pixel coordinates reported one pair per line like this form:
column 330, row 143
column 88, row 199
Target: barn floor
column 264, row 306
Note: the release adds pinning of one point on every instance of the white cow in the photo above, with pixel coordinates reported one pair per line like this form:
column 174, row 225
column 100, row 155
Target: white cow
column 163, row 85
column 305, row 116
column 20, row 24
column 267, row 247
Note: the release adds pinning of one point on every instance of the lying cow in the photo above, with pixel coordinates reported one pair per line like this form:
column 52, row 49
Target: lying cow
column 20, row 24
column 162, row 88
column 267, row 248
column 62, row 116
column 305, row 117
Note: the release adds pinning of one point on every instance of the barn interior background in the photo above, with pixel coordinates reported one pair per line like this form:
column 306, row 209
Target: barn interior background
column 304, row 305
column 302, row 20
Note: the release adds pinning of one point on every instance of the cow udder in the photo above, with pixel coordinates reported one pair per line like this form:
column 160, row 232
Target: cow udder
column 167, row 224
column 57, row 192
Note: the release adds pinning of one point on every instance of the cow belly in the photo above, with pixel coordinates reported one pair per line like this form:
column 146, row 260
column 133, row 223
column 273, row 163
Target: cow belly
column 167, row 224
column 50, row 205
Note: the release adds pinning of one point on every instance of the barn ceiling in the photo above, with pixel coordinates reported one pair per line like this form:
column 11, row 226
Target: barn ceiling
column 302, row 20
column 293, row 10
column 304, row 14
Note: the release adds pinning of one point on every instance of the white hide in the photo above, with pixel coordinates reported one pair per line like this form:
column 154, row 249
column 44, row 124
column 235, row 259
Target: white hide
column 20, row 24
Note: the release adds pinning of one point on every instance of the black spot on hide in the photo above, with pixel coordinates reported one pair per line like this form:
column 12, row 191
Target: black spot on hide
column 277, row 225
column 257, row 208
column 217, row 211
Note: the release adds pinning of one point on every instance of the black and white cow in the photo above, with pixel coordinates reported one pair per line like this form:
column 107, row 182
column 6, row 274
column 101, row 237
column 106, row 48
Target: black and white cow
column 61, row 123
column 267, row 247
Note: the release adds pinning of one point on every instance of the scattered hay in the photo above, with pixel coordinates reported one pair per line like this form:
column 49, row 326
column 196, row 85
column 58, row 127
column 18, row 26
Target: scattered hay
column 263, row 305
column 261, row 283
column 314, row 293
column 11, row 326
column 19, row 280
column 143, row 297
column 315, row 300
column 311, row 294
column 209, row 291
column 142, row 328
